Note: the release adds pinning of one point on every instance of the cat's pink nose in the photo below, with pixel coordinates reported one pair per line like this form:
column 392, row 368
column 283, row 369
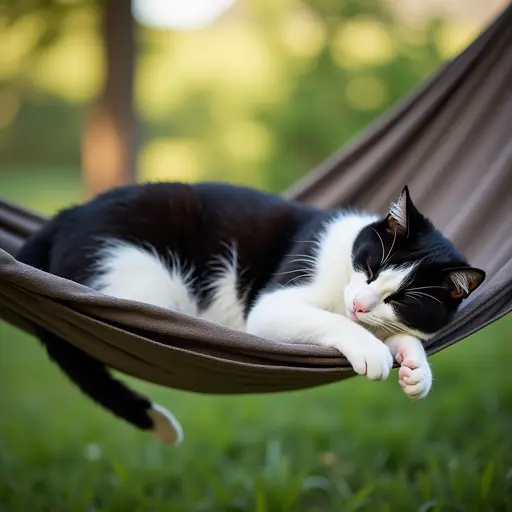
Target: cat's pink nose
column 359, row 307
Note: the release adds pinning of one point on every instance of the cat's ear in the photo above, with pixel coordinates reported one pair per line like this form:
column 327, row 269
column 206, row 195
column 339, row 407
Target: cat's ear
column 463, row 281
column 398, row 217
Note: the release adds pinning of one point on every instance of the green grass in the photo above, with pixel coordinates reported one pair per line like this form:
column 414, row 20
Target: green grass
column 43, row 189
column 356, row 445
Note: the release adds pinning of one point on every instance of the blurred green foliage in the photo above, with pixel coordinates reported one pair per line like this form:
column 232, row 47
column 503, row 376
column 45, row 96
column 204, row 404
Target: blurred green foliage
column 259, row 97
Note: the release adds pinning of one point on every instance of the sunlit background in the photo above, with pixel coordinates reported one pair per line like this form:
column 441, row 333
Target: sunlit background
column 255, row 92
column 252, row 91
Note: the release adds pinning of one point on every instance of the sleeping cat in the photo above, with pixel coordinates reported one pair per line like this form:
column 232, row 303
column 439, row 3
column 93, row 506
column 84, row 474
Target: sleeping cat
column 371, row 287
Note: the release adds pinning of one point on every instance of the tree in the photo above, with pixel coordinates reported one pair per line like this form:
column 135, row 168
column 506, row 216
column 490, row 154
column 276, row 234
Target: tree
column 109, row 141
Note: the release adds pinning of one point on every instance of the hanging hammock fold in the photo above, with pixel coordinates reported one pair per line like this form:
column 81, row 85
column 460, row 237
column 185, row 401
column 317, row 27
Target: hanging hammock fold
column 450, row 141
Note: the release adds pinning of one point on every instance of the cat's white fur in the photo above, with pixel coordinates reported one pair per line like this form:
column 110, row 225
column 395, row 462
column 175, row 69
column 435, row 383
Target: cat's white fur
column 129, row 272
column 226, row 307
column 320, row 312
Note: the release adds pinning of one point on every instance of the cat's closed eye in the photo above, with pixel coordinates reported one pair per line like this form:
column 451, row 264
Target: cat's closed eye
column 396, row 299
column 369, row 271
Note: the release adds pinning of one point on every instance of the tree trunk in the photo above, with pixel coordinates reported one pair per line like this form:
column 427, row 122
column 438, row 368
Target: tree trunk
column 109, row 145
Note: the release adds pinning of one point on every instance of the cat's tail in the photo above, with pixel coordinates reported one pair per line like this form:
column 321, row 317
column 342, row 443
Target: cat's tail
column 89, row 374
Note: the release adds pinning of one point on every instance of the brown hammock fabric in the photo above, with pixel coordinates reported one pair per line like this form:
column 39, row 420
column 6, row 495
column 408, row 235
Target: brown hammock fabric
column 450, row 141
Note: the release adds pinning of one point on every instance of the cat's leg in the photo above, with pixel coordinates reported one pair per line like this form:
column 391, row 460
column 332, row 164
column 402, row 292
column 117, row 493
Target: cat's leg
column 287, row 316
column 129, row 272
column 95, row 380
column 415, row 375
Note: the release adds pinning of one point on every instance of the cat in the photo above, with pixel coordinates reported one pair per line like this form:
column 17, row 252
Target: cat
column 371, row 287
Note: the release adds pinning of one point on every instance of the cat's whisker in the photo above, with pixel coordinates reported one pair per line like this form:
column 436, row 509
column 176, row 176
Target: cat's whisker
column 382, row 245
column 310, row 256
column 374, row 320
column 306, row 241
column 385, row 324
column 415, row 298
column 388, row 324
column 308, row 259
column 299, row 277
column 291, row 271
column 424, row 288
column 397, row 329
column 425, row 294
column 390, row 250
column 312, row 260
column 307, row 262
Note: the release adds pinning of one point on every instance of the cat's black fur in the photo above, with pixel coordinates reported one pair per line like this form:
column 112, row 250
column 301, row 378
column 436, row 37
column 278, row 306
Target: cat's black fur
column 421, row 242
column 196, row 222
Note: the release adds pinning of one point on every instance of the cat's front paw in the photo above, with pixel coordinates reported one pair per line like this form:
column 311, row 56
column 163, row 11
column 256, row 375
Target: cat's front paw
column 415, row 378
column 415, row 375
column 369, row 356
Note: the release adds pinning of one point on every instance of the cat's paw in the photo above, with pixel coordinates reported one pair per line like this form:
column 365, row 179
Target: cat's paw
column 369, row 356
column 415, row 378
column 415, row 375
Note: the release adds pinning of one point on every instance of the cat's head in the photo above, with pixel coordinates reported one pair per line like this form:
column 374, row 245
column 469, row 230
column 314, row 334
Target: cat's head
column 406, row 276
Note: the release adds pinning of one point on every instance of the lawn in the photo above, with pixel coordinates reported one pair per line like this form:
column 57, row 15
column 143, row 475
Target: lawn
column 356, row 445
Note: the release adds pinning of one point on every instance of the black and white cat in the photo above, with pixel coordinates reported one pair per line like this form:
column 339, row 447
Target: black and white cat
column 370, row 287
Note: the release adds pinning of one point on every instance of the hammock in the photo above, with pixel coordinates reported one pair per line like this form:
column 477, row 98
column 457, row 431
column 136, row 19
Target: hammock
column 449, row 141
